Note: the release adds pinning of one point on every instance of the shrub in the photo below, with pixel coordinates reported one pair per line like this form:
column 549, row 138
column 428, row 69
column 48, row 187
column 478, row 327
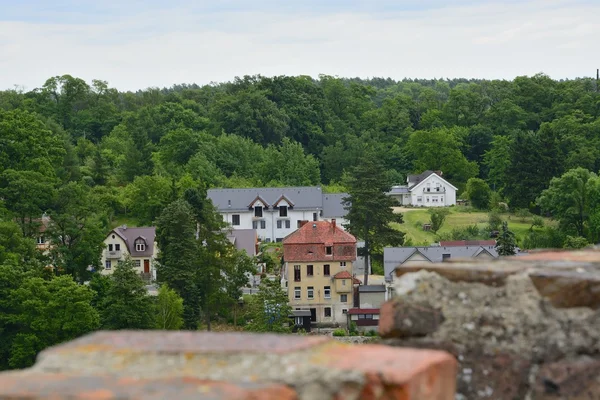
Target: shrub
column 522, row 214
column 494, row 221
column 339, row 332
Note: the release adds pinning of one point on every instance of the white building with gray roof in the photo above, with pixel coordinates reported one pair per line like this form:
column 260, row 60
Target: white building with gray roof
column 427, row 189
column 275, row 212
column 397, row 257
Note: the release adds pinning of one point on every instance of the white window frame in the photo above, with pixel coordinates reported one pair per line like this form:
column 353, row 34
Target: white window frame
column 137, row 263
column 233, row 222
column 325, row 312
column 107, row 264
column 140, row 247
column 281, row 208
column 310, row 292
column 297, row 293
column 327, row 292
column 342, row 263
column 342, row 296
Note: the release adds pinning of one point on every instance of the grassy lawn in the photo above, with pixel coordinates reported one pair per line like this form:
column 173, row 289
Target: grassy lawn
column 459, row 217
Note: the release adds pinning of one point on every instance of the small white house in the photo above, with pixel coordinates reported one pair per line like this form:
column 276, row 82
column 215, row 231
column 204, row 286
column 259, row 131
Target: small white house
column 137, row 243
column 428, row 189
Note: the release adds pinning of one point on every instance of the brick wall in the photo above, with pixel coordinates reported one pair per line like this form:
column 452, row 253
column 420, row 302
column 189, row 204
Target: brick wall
column 197, row 365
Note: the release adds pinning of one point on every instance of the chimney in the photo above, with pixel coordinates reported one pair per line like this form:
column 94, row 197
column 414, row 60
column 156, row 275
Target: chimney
column 302, row 223
column 333, row 223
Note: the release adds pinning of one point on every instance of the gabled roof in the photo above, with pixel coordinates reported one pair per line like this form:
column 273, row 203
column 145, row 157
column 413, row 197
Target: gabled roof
column 319, row 232
column 225, row 200
column 343, row 275
column 419, row 179
column 259, row 198
column 394, row 257
column 283, row 197
column 243, row 239
column 129, row 235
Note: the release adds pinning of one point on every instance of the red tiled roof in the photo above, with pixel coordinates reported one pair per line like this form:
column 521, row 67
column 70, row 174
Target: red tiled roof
column 454, row 243
column 342, row 275
column 354, row 311
column 356, row 281
column 319, row 232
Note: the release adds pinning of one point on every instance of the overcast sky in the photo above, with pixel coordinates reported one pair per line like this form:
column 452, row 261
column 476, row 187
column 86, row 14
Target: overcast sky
column 137, row 44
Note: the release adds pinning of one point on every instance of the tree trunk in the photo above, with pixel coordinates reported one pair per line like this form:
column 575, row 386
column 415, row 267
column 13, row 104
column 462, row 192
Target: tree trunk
column 208, row 321
column 367, row 252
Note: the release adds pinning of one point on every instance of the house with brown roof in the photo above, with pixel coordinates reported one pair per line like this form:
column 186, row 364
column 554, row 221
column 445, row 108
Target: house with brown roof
column 317, row 272
column 137, row 243
column 427, row 189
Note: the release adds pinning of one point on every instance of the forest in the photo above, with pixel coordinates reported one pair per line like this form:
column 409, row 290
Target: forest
column 91, row 157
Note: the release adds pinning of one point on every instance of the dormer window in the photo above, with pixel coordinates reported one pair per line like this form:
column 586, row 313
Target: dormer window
column 328, row 250
column 258, row 211
column 140, row 244
column 283, row 211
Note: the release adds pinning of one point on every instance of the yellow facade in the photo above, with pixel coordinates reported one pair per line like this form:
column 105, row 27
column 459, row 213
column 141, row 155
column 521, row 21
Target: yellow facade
column 320, row 291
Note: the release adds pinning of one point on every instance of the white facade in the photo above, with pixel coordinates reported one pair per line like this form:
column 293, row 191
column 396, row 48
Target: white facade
column 431, row 191
column 116, row 251
column 271, row 224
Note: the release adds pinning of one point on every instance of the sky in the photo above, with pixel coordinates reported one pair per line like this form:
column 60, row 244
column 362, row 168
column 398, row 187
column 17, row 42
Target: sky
column 135, row 44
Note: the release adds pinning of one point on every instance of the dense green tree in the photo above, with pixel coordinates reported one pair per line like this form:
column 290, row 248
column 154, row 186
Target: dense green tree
column 370, row 212
column 571, row 198
column 479, row 193
column 506, row 244
column 169, row 309
column 178, row 260
column 48, row 313
column 75, row 232
column 127, row 304
column 270, row 309
column 437, row 217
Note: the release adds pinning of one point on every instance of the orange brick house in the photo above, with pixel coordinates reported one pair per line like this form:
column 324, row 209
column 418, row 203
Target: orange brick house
column 317, row 272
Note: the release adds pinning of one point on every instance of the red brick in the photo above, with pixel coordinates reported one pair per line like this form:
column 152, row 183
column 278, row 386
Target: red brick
column 189, row 342
column 397, row 373
column 57, row 386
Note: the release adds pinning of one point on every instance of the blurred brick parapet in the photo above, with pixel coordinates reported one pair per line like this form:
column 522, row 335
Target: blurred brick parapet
column 204, row 365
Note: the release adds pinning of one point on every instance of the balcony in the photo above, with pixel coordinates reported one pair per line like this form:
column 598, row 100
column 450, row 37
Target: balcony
column 112, row 254
column 434, row 190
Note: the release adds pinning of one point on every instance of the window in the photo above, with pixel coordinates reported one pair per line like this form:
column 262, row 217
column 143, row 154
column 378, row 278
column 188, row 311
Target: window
column 297, row 277
column 427, row 199
column 299, row 224
column 117, row 247
column 419, row 199
column 110, row 247
column 445, row 256
column 297, row 292
column 343, row 282
column 314, row 216
column 327, row 292
column 278, row 240
column 107, row 264
column 299, row 321
column 361, row 316
column 309, row 270
column 342, row 263
column 258, row 211
column 263, row 225
column 254, row 224
column 310, row 292
column 287, row 224
column 235, row 219
column 343, row 298
column 327, row 312
column 283, row 211
column 328, row 250
column 279, row 221
column 41, row 240
column 326, row 270
column 140, row 245
column 345, row 311
column 137, row 263
column 369, row 316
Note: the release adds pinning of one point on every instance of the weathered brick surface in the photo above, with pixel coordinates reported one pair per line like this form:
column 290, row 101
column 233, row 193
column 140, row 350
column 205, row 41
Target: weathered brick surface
column 235, row 364
column 398, row 319
column 520, row 327
column 60, row 386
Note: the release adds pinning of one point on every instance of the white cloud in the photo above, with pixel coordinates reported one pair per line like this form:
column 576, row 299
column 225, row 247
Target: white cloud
column 499, row 40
